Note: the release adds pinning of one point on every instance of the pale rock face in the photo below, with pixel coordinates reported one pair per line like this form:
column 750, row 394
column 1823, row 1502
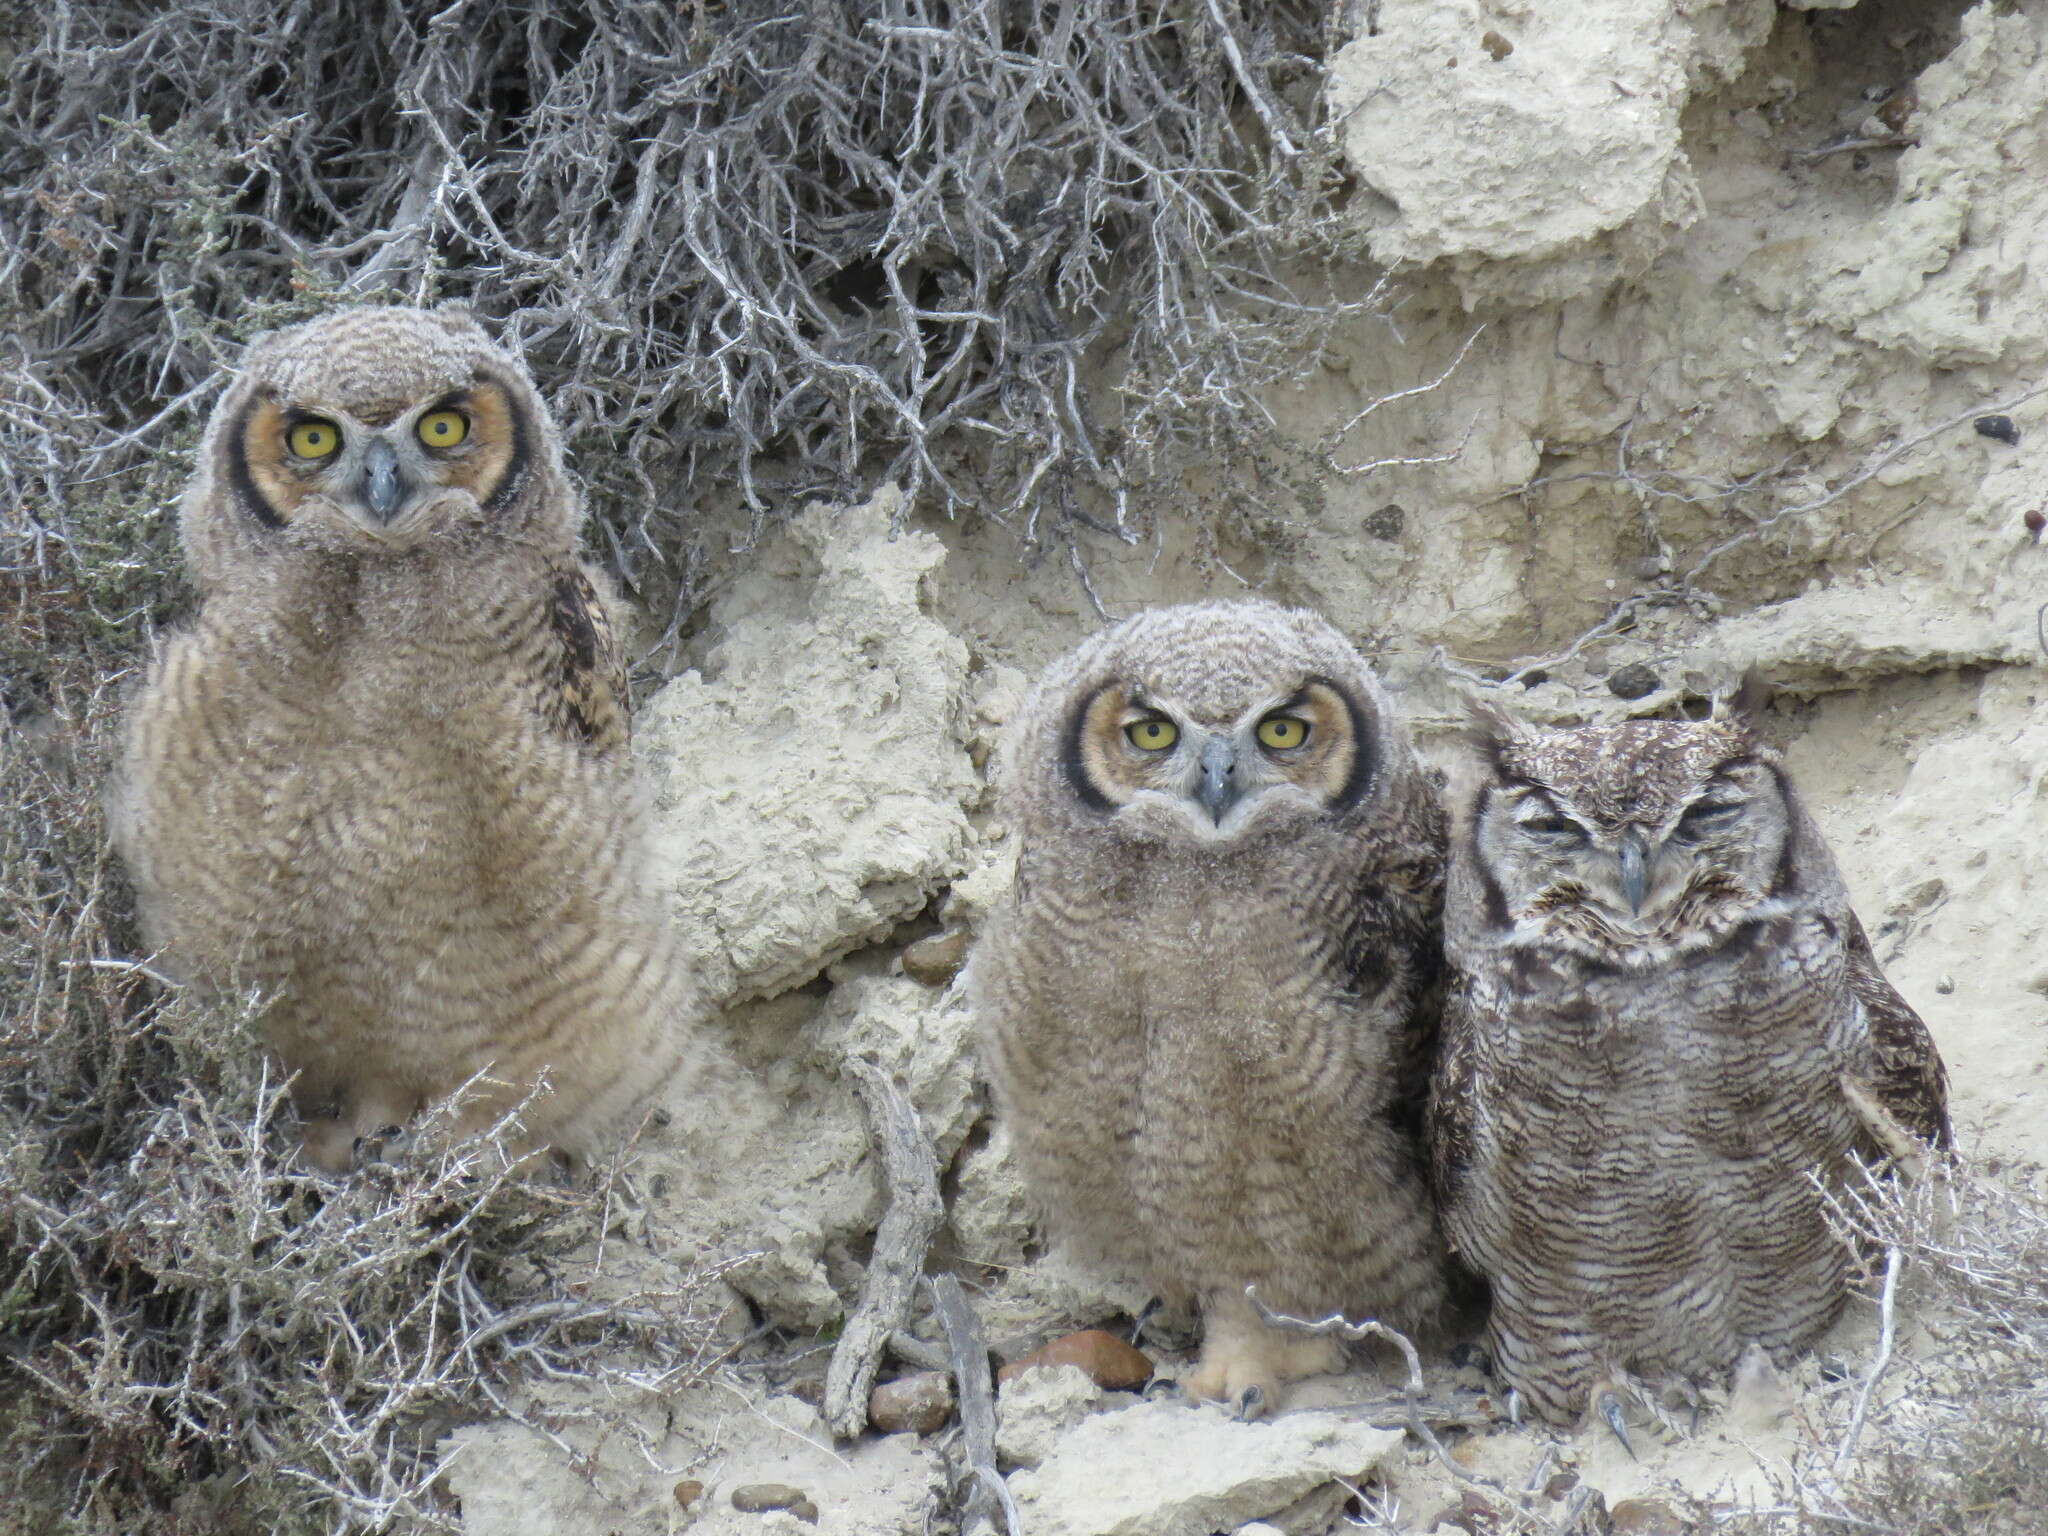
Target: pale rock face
column 812, row 780
column 1534, row 150
column 1942, row 272
column 780, row 1166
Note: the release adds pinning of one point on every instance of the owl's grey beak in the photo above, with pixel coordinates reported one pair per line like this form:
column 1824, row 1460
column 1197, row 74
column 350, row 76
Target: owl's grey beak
column 383, row 485
column 1634, row 857
column 1219, row 789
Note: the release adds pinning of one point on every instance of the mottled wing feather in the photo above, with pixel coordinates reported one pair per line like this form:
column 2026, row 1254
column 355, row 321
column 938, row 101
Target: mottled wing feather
column 587, row 696
column 1448, row 1133
column 1907, row 1077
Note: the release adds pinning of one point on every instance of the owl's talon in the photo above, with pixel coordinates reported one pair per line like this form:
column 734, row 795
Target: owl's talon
column 1161, row 1387
column 379, row 1148
column 1250, row 1404
column 1609, row 1407
column 1145, row 1315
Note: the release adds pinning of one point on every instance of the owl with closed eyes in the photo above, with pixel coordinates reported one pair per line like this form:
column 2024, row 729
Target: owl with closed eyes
column 382, row 778
column 1663, row 1020
column 1208, row 1000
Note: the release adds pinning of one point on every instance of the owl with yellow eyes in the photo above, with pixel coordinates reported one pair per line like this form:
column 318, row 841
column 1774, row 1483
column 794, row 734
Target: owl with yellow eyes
column 381, row 780
column 1208, row 1001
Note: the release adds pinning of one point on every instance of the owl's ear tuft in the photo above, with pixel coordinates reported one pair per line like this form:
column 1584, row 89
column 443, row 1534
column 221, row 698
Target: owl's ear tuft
column 1491, row 731
column 1744, row 708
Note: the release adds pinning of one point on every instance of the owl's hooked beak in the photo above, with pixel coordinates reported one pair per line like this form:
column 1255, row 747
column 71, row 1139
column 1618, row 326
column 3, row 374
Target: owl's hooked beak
column 383, row 486
column 1635, row 857
column 1219, row 789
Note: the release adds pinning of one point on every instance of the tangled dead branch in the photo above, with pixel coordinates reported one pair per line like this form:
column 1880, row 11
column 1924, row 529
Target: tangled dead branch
column 1953, row 1441
column 1020, row 258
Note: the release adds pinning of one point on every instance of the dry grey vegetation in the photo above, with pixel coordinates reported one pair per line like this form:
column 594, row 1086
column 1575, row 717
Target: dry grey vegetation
column 1020, row 258
column 1951, row 1436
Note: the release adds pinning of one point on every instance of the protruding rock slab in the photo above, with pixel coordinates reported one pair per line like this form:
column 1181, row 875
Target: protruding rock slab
column 1165, row 1469
column 811, row 782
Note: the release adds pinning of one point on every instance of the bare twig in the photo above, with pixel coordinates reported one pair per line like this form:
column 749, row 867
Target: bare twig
column 910, row 1170
column 976, row 1393
column 1415, row 1390
column 914, row 1351
column 1883, row 1358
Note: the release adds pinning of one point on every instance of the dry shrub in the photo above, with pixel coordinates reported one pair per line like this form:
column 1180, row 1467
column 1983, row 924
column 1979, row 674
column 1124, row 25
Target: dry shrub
column 1955, row 1439
column 1018, row 256
column 1960, row 1445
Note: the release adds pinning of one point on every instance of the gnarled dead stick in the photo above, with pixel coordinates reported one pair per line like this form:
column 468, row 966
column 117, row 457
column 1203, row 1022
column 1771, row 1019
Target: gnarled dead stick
column 975, row 1390
column 911, row 1171
column 1847, row 1450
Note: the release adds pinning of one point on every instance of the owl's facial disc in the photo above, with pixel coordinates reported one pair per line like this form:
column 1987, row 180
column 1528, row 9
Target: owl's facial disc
column 1132, row 749
column 381, row 474
column 1637, row 871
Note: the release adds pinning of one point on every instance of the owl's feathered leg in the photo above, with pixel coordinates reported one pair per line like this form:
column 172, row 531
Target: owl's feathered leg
column 1245, row 1363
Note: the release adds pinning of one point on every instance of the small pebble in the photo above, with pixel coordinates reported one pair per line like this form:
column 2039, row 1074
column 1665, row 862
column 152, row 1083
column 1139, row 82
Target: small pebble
column 1496, row 46
column 1645, row 1517
column 1560, row 1484
column 1387, row 522
column 757, row 1498
column 937, row 959
column 1945, row 985
column 1110, row 1363
column 1633, row 681
column 918, row 1404
column 2000, row 428
column 2036, row 520
column 689, row 1491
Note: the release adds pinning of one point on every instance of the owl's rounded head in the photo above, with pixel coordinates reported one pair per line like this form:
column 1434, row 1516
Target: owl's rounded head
column 373, row 432
column 1643, row 836
column 1199, row 724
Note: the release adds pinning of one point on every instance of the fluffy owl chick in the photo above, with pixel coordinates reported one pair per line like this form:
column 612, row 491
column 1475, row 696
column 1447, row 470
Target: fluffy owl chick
column 1208, row 999
column 383, row 777
column 1663, row 1015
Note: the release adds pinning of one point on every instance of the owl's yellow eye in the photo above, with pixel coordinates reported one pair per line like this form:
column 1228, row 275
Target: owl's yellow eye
column 1281, row 732
column 443, row 429
column 313, row 439
column 1154, row 735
